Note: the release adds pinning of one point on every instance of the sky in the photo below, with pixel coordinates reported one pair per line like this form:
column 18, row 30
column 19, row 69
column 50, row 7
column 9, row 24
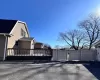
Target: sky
column 46, row 18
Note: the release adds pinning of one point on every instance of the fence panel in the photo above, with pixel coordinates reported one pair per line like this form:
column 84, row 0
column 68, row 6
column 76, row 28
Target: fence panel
column 59, row 55
column 55, row 55
column 62, row 55
column 88, row 55
column 82, row 55
column 74, row 55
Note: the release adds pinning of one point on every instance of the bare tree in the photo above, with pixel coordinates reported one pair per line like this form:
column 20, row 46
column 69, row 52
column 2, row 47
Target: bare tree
column 91, row 28
column 73, row 38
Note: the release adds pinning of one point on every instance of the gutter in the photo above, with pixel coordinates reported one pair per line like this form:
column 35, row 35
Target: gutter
column 5, row 48
column 5, row 34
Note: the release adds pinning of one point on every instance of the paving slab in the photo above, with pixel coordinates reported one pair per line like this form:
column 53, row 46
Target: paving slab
column 45, row 71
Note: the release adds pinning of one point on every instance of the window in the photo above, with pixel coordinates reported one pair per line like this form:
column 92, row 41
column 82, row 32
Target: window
column 16, row 43
column 23, row 33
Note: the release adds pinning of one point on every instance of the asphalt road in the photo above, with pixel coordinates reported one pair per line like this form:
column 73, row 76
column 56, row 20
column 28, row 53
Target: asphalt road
column 45, row 71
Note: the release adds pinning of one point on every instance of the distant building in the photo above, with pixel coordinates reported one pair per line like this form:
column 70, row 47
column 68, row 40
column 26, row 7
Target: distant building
column 97, row 44
column 39, row 45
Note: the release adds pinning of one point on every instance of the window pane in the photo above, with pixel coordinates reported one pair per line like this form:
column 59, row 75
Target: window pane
column 23, row 33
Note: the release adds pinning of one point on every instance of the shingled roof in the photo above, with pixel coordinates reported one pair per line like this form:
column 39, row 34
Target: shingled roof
column 6, row 25
column 26, row 38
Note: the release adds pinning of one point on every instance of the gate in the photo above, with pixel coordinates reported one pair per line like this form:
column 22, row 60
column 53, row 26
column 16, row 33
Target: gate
column 28, row 54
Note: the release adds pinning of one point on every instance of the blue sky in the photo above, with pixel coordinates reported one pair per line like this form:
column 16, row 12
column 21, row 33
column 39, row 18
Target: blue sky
column 46, row 18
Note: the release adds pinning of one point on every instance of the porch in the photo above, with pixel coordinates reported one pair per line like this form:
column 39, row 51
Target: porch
column 28, row 54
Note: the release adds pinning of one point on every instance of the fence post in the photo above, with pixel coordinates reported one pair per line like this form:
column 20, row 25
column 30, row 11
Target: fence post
column 66, row 54
column 57, row 54
column 80, row 55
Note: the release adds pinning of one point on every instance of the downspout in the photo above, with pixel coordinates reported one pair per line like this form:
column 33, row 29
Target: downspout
column 5, row 49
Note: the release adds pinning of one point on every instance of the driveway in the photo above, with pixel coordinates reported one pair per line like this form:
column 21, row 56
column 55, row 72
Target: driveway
column 45, row 71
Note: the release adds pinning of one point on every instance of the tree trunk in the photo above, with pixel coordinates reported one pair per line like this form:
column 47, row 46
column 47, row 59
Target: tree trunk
column 90, row 46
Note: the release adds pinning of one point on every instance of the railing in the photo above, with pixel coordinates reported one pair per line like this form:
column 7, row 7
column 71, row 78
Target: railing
column 28, row 52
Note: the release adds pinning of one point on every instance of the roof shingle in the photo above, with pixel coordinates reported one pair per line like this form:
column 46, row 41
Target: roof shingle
column 6, row 25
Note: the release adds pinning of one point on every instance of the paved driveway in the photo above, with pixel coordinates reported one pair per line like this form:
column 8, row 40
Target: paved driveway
column 44, row 71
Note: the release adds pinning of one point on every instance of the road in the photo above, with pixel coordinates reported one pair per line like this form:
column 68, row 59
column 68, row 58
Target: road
column 44, row 71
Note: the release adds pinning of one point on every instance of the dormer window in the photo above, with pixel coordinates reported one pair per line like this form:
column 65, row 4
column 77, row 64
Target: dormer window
column 23, row 33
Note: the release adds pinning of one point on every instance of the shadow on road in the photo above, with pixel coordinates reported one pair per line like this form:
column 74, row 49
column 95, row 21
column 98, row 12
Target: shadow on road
column 94, row 69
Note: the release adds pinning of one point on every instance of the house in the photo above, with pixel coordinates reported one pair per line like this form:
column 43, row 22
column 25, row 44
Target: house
column 97, row 44
column 39, row 45
column 14, row 34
